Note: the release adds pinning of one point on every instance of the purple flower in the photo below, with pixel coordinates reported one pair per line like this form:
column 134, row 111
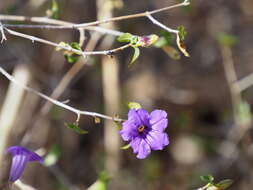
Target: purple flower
column 145, row 131
column 20, row 157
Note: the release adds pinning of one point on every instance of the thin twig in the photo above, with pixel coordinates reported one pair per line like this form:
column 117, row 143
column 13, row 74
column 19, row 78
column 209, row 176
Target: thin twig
column 2, row 33
column 58, row 103
column 138, row 15
column 68, row 48
column 53, row 22
column 181, row 47
column 156, row 22
column 119, row 18
column 245, row 82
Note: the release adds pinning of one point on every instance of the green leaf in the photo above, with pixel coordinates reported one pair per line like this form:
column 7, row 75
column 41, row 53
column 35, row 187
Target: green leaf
column 76, row 128
column 53, row 156
column 227, row 39
column 207, row 178
column 182, row 32
column 135, row 40
column 136, row 55
column 224, row 184
column 126, row 147
column 134, row 105
column 118, row 124
column 72, row 57
column 126, row 37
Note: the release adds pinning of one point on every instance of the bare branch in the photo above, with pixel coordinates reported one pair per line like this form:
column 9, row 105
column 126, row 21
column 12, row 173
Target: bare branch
column 56, row 102
column 68, row 48
column 53, row 22
column 89, row 24
column 245, row 82
column 2, row 33
column 156, row 22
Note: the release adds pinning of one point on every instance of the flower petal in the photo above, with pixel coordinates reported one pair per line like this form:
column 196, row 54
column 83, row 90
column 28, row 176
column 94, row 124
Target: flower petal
column 133, row 116
column 160, row 125
column 19, row 162
column 144, row 150
column 35, row 157
column 144, row 116
column 157, row 140
column 157, row 115
column 135, row 143
column 129, row 130
column 20, row 157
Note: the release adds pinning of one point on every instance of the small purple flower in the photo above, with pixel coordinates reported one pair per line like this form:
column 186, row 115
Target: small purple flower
column 145, row 131
column 20, row 157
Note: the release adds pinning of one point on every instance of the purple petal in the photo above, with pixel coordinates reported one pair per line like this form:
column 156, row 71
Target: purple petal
column 20, row 157
column 19, row 162
column 165, row 139
column 157, row 140
column 133, row 116
column 144, row 116
column 135, row 143
column 129, row 130
column 160, row 125
column 144, row 150
column 157, row 115
column 35, row 157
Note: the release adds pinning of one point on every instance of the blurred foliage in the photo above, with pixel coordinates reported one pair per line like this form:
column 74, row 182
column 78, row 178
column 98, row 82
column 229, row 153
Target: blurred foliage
column 54, row 12
column 227, row 39
column 53, row 155
column 101, row 183
column 75, row 127
column 209, row 179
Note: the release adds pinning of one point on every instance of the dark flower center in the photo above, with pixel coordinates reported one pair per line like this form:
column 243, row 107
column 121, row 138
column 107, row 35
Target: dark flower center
column 141, row 128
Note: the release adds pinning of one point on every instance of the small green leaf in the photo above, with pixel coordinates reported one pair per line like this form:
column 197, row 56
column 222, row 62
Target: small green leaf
column 182, row 32
column 207, row 178
column 118, row 124
column 224, row 184
column 134, row 105
column 126, row 37
column 227, row 39
column 53, row 156
column 72, row 57
column 126, row 147
column 136, row 55
column 76, row 128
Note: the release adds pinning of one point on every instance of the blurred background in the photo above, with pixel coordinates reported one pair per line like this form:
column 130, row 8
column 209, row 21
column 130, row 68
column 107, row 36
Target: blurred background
column 207, row 96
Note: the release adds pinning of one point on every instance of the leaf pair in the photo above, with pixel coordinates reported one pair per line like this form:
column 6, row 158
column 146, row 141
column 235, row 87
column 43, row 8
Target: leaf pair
column 222, row 185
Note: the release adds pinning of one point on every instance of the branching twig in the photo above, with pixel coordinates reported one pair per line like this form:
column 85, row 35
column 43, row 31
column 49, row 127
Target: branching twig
column 138, row 15
column 58, row 103
column 119, row 18
column 179, row 41
column 156, row 22
column 68, row 48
